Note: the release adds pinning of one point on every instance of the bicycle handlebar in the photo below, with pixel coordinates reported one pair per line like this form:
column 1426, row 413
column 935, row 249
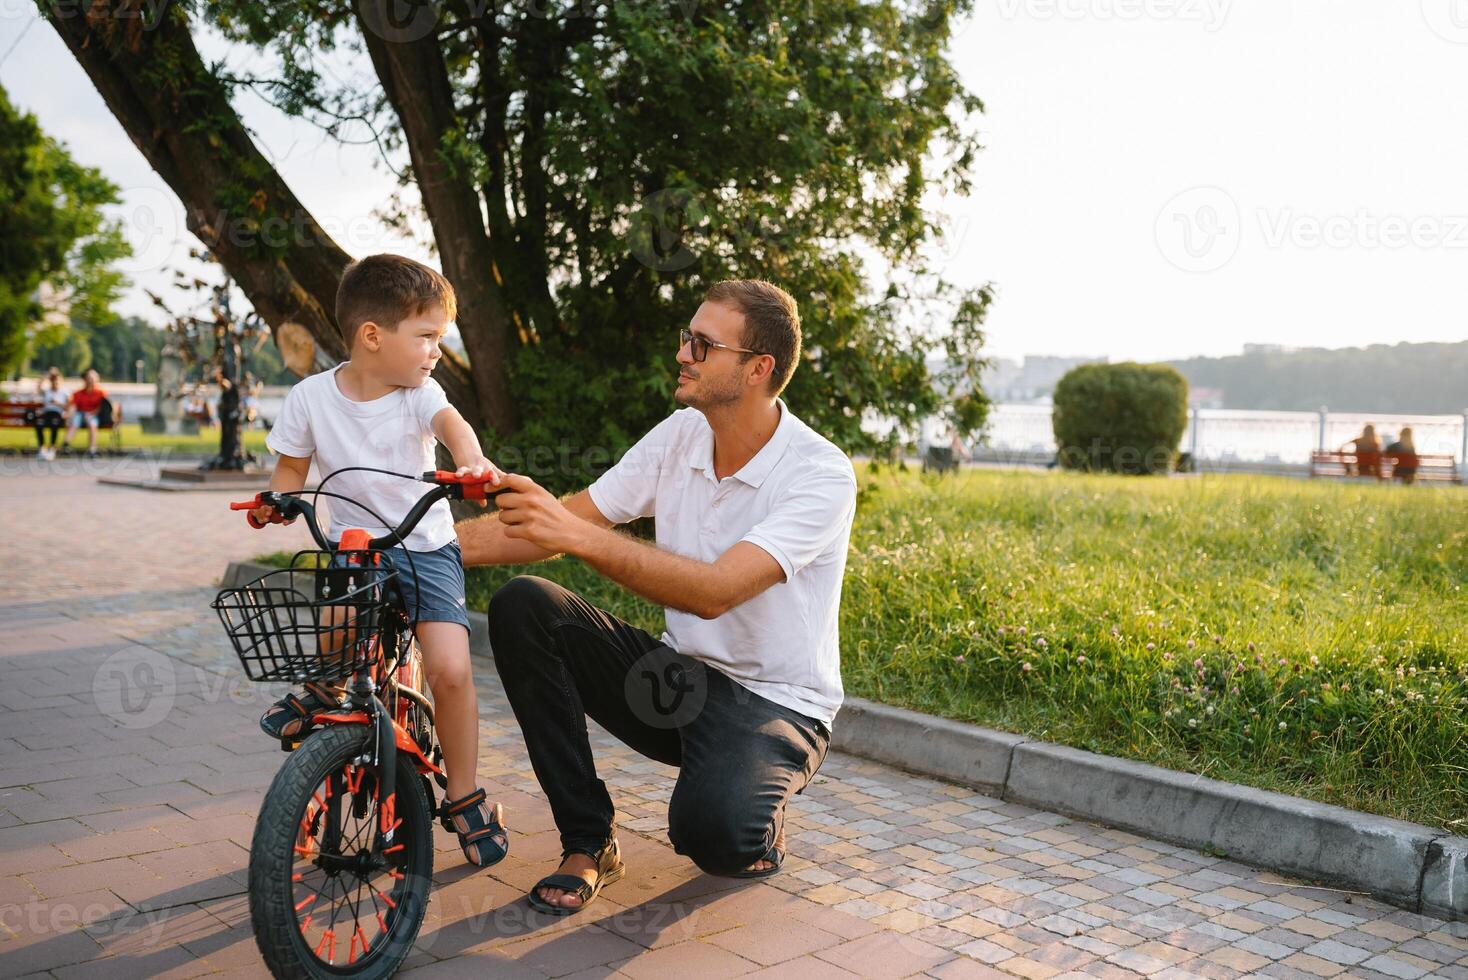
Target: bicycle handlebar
column 287, row 507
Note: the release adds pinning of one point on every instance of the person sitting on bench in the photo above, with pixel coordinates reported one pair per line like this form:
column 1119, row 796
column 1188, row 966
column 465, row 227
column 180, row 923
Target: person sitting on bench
column 54, row 400
column 86, row 405
column 1403, row 454
column 1368, row 452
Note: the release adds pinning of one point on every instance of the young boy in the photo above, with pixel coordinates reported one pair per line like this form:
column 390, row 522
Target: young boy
column 382, row 409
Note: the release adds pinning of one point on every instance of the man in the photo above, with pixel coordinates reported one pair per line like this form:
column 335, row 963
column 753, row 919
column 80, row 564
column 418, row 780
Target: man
column 86, row 409
column 753, row 512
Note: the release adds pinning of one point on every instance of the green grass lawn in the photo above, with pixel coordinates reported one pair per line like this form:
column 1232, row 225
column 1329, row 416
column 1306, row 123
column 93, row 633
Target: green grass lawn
column 133, row 437
column 1305, row 637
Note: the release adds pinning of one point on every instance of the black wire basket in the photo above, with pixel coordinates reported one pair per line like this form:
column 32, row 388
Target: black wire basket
column 318, row 620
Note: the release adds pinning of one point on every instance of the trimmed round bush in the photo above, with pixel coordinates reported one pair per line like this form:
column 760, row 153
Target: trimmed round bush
column 1120, row 418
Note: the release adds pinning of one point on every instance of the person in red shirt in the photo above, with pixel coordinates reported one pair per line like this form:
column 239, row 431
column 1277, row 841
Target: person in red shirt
column 85, row 405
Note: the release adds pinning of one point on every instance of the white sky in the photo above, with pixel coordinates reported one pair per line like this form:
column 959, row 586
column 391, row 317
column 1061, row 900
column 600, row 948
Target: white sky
column 1162, row 177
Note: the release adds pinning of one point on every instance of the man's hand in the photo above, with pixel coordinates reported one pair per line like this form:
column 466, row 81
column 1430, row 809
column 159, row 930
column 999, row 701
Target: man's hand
column 532, row 513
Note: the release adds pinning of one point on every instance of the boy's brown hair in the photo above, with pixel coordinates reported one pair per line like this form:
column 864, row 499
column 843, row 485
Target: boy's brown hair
column 771, row 322
column 387, row 289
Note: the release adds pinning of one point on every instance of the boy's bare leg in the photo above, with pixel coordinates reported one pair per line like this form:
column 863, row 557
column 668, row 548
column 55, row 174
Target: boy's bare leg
column 455, row 705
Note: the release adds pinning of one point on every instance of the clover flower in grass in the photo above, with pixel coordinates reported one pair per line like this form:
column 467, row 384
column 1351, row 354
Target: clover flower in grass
column 1192, row 723
column 958, row 659
column 1151, row 647
column 1283, row 726
column 1026, row 667
column 1314, row 660
column 1252, row 648
column 1040, row 642
column 1191, row 644
column 1081, row 659
column 1022, row 631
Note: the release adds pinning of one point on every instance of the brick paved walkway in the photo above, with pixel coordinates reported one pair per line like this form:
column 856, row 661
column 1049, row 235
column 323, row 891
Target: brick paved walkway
column 132, row 770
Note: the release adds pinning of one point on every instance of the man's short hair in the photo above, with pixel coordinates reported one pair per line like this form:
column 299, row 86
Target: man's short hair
column 388, row 289
column 771, row 322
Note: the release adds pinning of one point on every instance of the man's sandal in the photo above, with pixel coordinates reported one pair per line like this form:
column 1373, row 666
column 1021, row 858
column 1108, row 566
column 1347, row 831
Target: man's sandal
column 292, row 710
column 774, row 857
column 484, row 838
column 609, row 870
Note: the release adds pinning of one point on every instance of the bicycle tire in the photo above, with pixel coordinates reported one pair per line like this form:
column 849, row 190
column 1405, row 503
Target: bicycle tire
column 273, row 851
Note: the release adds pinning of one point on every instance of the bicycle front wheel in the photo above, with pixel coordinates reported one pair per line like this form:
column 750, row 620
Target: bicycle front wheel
column 328, row 896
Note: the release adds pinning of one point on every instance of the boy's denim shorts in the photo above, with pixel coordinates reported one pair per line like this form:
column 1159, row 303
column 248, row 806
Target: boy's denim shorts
column 436, row 595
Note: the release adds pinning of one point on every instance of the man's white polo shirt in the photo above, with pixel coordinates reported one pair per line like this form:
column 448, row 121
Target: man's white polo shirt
column 795, row 499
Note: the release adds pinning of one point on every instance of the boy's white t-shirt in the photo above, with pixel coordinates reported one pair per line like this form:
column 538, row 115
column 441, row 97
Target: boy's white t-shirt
column 393, row 432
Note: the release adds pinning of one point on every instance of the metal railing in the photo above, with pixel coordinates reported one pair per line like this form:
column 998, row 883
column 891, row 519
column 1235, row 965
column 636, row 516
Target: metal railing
column 1224, row 437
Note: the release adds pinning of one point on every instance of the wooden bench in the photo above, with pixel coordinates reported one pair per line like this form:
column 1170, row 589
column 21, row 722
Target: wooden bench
column 1431, row 468
column 13, row 415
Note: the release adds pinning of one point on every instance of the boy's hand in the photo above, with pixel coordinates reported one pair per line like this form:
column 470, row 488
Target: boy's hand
column 477, row 467
column 266, row 514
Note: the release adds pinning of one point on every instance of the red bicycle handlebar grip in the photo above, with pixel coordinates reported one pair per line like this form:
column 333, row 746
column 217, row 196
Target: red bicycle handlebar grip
column 474, row 486
column 252, row 505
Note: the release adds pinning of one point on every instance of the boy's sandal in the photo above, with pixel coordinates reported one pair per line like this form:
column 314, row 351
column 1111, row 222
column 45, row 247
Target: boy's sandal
column 484, row 838
column 609, row 870
column 293, row 710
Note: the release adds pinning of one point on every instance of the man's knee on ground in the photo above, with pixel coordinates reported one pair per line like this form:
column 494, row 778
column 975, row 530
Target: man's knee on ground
column 517, row 603
column 715, row 833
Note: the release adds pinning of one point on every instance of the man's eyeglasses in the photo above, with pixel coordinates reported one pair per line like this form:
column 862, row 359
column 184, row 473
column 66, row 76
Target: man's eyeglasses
column 699, row 346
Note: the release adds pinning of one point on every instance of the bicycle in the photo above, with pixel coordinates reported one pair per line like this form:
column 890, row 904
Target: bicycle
column 338, row 851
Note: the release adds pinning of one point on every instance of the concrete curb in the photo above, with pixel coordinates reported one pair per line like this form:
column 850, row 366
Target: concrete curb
column 1406, row 864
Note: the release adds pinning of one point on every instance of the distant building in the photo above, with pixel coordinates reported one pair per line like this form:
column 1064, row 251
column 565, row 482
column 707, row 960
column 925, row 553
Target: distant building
column 1032, row 380
column 1205, row 398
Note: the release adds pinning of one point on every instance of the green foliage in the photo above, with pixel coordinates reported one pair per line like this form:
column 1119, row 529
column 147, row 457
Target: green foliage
column 1304, row 637
column 71, row 352
column 630, row 155
column 112, row 349
column 1408, row 379
column 1120, row 418
column 52, row 231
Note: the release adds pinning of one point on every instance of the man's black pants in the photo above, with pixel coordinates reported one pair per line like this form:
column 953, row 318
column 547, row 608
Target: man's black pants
column 740, row 756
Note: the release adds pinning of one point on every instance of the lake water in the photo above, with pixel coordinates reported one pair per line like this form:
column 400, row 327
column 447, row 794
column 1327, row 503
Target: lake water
column 1255, row 437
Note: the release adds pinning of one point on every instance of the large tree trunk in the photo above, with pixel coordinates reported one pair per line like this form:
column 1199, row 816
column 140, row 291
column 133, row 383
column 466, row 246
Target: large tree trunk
column 179, row 116
column 417, row 84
